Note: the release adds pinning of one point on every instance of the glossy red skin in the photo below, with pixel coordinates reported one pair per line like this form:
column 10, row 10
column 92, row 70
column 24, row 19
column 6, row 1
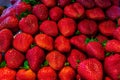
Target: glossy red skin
column 87, row 3
column 35, row 57
column 49, row 3
column 56, row 13
column 41, row 11
column 116, row 33
column 24, row 74
column 112, row 66
column 47, row 73
column 95, row 13
column 67, row 73
column 6, row 38
column 44, row 41
column 108, row 78
column 87, row 27
column 74, row 56
column 67, row 26
column 56, row 60
column 90, row 69
column 79, row 42
column 29, row 24
column 62, row 44
column 22, row 41
column 63, row 3
column 74, row 10
column 113, row 12
column 101, row 38
column 107, row 27
column 49, row 27
column 7, row 74
column 14, row 58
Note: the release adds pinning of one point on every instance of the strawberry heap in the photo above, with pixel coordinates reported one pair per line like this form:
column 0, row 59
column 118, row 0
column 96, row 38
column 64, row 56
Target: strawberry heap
column 60, row 40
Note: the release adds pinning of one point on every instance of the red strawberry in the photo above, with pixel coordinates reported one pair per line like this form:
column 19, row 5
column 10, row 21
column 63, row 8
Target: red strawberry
column 41, row 11
column 116, row 2
column 79, row 42
column 62, row 44
column 67, row 73
column 67, row 26
column 95, row 13
column 101, row 38
column 29, row 24
column 90, row 69
column 24, row 74
column 44, row 41
column 56, row 60
column 87, row 3
column 56, row 13
column 49, row 3
column 108, row 78
column 112, row 66
column 74, row 10
column 47, row 73
column 14, row 58
column 7, row 74
column 6, row 37
column 75, row 58
column 87, row 27
column 113, row 12
column 49, row 27
column 78, row 77
column 63, row 3
column 35, row 57
column 22, row 41
column 116, row 33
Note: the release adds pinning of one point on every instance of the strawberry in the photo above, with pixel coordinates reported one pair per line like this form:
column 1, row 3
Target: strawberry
column 113, row 12
column 95, row 13
column 62, row 44
column 44, row 41
column 22, row 41
column 87, row 3
column 111, row 66
column 63, row 3
column 49, row 3
column 75, row 58
column 47, row 73
column 74, row 10
column 101, row 38
column 90, row 69
column 107, row 27
column 56, row 13
column 78, row 77
column 29, row 24
column 35, row 57
column 1, row 57
column 67, row 73
column 108, row 78
column 116, row 33
column 41, row 11
column 87, row 27
column 14, row 58
column 6, row 38
column 49, row 27
column 24, row 74
column 56, row 60
column 116, row 2
column 67, row 26
column 7, row 74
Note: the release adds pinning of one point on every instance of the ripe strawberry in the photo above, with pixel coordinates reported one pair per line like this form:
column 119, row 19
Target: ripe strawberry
column 67, row 26
column 116, row 33
column 78, row 77
column 47, row 73
column 6, row 38
column 87, row 27
column 24, row 74
column 49, row 27
column 14, row 58
column 29, row 24
column 112, row 66
column 67, row 73
column 116, row 2
column 63, row 3
column 79, row 42
column 90, row 69
column 56, row 60
column 107, row 27
column 56, row 13
column 41, row 11
column 95, row 13
column 49, row 3
column 62, row 44
column 74, row 10
column 35, row 57
column 7, row 74
column 22, row 41
column 108, row 78
column 101, row 38
column 44, row 41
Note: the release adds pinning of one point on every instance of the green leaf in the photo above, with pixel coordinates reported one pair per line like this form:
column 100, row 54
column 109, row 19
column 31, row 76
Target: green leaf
column 26, row 66
column 31, row 2
column 104, row 43
column 78, row 61
column 77, row 32
column 66, row 64
column 3, row 64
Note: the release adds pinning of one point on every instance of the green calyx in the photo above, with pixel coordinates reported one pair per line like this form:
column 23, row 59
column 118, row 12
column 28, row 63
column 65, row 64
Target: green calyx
column 2, row 64
column 46, row 63
column 67, row 64
column 72, row 0
column 109, row 53
column 78, row 61
column 90, row 40
column 31, row 2
column 104, row 43
column 32, row 45
column 25, row 65
column 77, row 32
